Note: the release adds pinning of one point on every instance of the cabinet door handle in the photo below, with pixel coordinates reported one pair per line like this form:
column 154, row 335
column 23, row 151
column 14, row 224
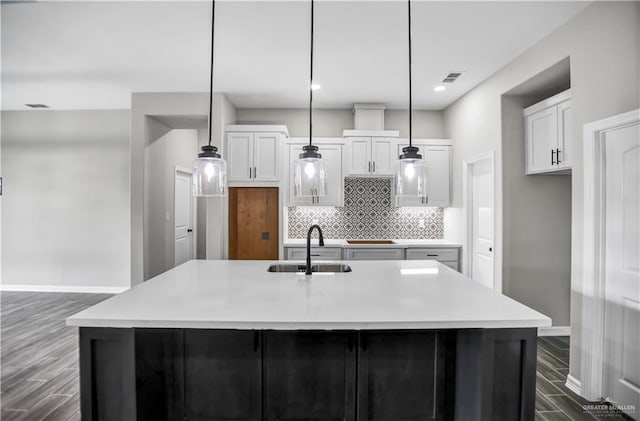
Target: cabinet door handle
column 552, row 157
column 255, row 172
column 369, row 166
column 249, row 172
column 426, row 199
column 558, row 156
column 374, row 166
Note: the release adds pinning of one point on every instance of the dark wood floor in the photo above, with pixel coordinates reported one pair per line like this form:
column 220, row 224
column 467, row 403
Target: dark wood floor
column 554, row 401
column 39, row 363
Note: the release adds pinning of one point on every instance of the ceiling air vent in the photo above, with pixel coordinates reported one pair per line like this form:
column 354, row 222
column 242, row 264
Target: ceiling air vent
column 452, row 77
column 37, row 105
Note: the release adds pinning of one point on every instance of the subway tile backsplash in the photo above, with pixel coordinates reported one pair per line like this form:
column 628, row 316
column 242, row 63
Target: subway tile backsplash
column 368, row 214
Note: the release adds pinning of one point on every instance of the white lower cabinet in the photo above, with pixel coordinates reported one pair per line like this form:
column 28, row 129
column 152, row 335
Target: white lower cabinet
column 446, row 256
column 371, row 253
column 317, row 253
column 449, row 256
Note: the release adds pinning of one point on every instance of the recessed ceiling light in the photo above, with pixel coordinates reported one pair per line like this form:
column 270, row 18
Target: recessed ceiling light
column 439, row 88
column 37, row 105
column 315, row 86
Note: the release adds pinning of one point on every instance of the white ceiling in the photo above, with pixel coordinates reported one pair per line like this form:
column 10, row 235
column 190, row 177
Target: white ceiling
column 77, row 55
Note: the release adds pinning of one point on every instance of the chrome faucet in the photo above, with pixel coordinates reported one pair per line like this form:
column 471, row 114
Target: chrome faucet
column 321, row 243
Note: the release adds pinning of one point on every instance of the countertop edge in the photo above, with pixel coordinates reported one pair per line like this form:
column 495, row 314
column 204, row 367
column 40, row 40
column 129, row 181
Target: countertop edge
column 257, row 325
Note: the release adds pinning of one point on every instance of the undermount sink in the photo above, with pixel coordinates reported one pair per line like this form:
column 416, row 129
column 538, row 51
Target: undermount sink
column 320, row 267
column 370, row 242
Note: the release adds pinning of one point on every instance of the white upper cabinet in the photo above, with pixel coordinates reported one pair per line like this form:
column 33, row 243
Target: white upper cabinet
column 253, row 153
column 437, row 156
column 239, row 157
column 548, row 135
column 332, row 155
column 370, row 156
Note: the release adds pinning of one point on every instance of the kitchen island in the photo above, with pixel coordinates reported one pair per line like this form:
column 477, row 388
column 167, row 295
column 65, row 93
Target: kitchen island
column 227, row 340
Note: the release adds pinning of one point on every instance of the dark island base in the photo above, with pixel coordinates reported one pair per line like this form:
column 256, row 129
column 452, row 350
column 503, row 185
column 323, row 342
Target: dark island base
column 216, row 375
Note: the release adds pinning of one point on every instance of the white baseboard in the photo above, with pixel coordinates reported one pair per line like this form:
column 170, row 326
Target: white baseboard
column 63, row 288
column 573, row 384
column 554, row 331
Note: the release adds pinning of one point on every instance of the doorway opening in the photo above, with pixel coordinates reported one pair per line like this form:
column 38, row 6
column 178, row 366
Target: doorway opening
column 174, row 222
column 536, row 208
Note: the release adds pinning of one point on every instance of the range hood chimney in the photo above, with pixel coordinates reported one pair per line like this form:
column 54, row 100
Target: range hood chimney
column 368, row 120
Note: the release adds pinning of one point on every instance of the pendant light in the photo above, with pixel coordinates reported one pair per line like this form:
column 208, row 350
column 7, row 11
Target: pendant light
column 309, row 174
column 411, row 171
column 209, row 177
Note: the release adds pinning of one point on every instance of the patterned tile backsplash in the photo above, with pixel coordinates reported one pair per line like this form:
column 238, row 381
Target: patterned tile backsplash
column 368, row 214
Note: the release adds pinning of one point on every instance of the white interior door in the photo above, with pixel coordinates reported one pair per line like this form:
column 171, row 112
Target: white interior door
column 482, row 230
column 183, row 218
column 622, row 267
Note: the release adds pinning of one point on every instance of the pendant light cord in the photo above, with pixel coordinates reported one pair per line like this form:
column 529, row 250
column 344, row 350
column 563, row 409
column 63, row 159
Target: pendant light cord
column 213, row 18
column 410, row 102
column 311, row 81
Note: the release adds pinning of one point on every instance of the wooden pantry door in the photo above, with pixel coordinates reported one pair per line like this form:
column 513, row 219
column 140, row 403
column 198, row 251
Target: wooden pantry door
column 253, row 223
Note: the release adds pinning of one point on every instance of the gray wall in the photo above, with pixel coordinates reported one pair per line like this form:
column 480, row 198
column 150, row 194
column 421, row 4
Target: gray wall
column 536, row 225
column 602, row 43
column 331, row 123
column 65, row 220
column 175, row 148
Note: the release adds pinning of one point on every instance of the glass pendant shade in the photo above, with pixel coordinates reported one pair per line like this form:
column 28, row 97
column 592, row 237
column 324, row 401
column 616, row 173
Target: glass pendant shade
column 309, row 175
column 411, row 174
column 209, row 177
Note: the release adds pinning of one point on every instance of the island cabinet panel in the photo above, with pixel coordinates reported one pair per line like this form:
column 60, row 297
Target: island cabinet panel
column 222, row 375
column 107, row 374
column 495, row 374
column 159, row 379
column 401, row 376
column 309, row 375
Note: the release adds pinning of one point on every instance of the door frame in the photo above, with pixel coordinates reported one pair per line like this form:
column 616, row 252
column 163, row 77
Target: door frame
column 593, row 252
column 467, row 191
column 194, row 214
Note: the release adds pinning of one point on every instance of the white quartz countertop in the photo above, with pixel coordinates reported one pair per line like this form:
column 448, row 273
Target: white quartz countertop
column 223, row 294
column 397, row 243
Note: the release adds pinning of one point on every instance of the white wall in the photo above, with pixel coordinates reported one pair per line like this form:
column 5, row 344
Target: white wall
column 175, row 148
column 331, row 122
column 602, row 43
column 66, row 200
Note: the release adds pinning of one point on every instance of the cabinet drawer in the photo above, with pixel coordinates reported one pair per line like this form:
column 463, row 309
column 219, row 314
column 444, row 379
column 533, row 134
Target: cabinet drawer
column 374, row 254
column 453, row 265
column 447, row 255
column 317, row 253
